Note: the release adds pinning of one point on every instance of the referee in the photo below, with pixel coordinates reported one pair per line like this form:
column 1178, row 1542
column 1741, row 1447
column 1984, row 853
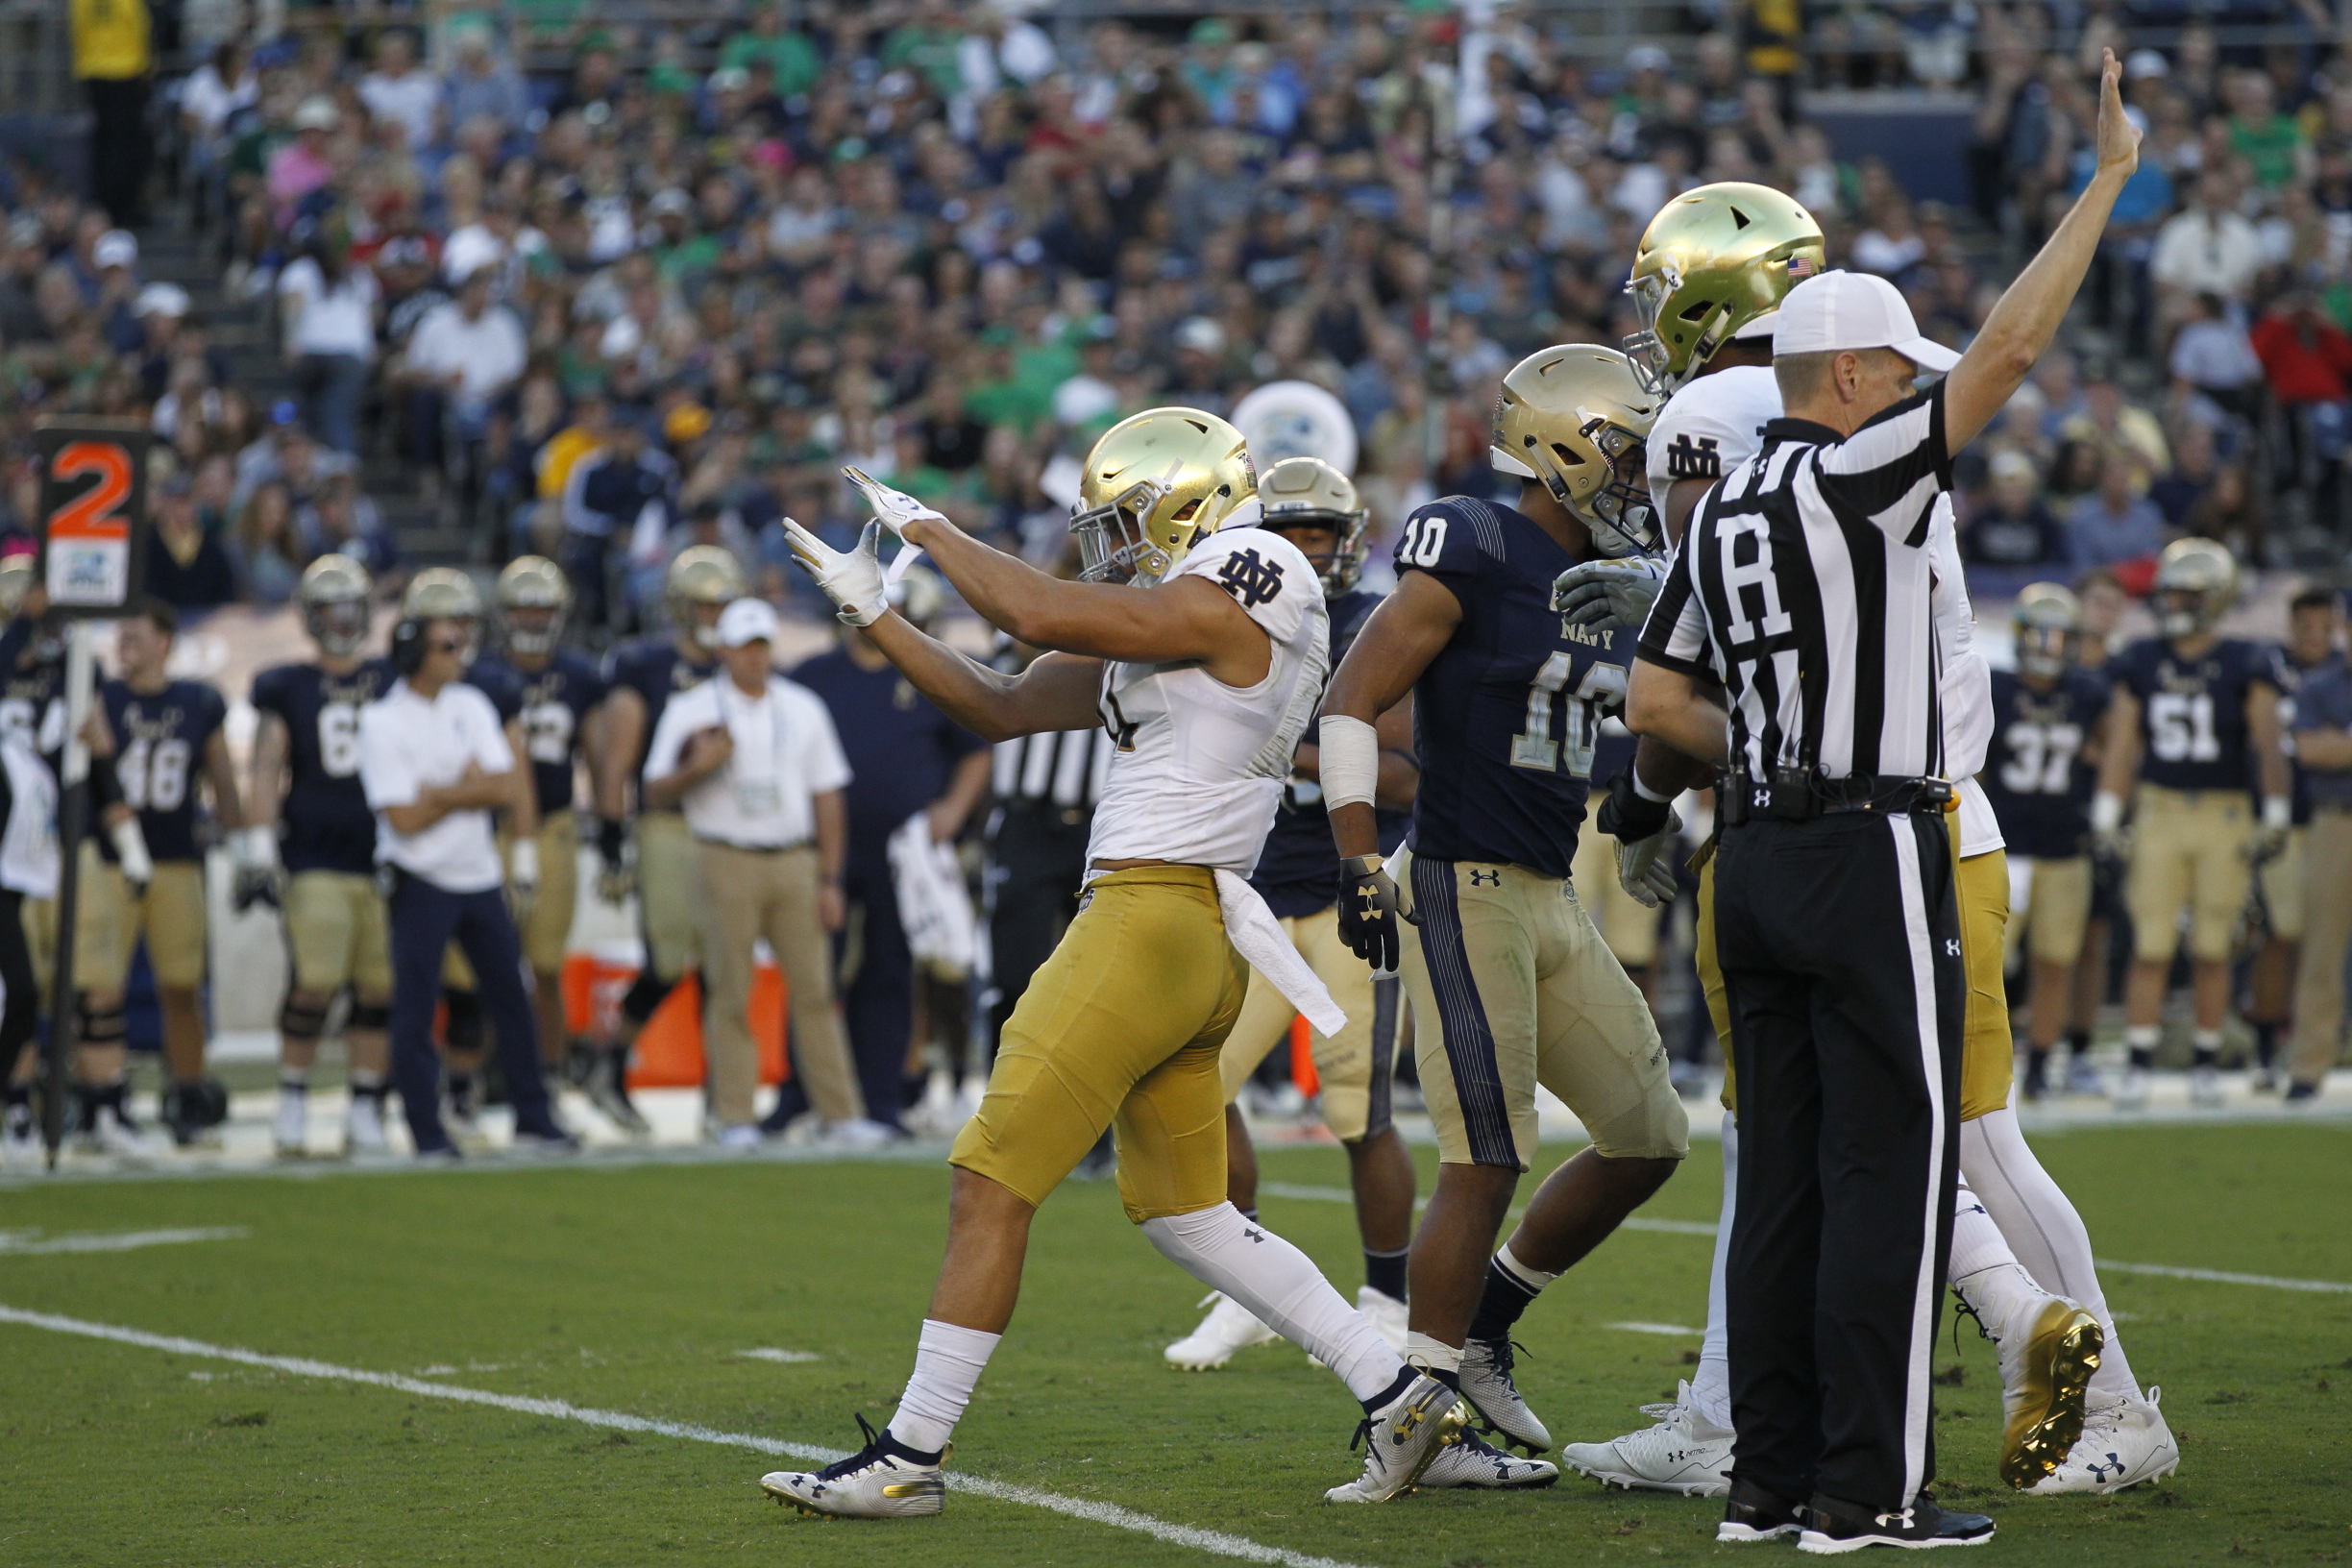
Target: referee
column 1799, row 602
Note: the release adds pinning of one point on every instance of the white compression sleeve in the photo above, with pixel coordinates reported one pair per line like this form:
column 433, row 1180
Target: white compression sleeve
column 1282, row 1289
column 2042, row 1228
column 1985, row 1271
column 1710, row 1384
column 948, row 1365
column 1348, row 765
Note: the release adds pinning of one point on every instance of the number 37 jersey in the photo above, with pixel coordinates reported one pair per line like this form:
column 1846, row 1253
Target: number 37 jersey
column 1197, row 766
column 1507, row 715
column 326, row 825
column 2193, row 724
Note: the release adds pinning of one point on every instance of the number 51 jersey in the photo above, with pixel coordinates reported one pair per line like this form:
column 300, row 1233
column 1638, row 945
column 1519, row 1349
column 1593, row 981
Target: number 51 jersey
column 325, row 824
column 2193, row 724
column 1507, row 715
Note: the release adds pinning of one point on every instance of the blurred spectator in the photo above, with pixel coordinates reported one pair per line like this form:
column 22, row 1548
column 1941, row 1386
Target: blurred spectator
column 2307, row 359
column 2116, row 523
column 2212, row 358
column 2012, row 527
column 399, row 93
column 2107, row 417
column 187, row 566
column 327, row 310
column 463, row 353
column 266, row 547
column 112, row 57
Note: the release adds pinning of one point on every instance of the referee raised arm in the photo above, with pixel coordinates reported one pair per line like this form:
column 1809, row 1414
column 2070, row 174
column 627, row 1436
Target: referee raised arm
column 1798, row 599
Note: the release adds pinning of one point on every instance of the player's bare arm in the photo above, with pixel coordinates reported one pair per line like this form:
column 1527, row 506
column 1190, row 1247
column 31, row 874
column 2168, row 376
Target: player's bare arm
column 220, row 770
column 265, row 795
column 624, row 725
column 2030, row 312
column 1682, row 498
column 2119, row 755
column 1411, row 627
column 523, row 823
column 1056, row 691
column 1680, row 711
column 2262, row 711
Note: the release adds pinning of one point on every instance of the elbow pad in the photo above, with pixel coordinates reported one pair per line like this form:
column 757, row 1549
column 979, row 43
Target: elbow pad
column 1349, row 766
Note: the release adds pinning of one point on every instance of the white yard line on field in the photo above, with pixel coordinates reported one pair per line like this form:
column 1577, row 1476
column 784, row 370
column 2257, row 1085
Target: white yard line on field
column 1218, row 1543
column 770, row 1354
column 1674, row 1328
column 1700, row 1227
column 14, row 1243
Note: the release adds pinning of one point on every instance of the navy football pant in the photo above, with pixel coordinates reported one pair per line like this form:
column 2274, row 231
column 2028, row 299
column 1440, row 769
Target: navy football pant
column 877, row 1000
column 1839, row 941
column 425, row 920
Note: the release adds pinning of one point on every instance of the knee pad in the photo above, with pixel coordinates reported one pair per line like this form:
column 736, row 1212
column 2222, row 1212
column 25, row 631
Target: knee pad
column 375, row 1015
column 302, row 1020
column 463, row 1031
column 206, row 1101
column 645, row 994
column 103, row 1027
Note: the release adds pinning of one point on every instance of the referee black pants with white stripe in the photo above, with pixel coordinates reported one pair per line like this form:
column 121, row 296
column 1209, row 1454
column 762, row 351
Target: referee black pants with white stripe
column 1840, row 945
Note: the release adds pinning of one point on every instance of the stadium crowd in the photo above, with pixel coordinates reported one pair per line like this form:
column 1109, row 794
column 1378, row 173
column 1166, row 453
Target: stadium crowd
column 656, row 301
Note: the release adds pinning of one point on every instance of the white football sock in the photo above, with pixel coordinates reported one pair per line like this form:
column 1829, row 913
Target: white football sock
column 1710, row 1386
column 1431, row 1354
column 948, row 1365
column 1985, row 1271
column 1282, row 1289
column 1530, row 1278
column 2043, row 1230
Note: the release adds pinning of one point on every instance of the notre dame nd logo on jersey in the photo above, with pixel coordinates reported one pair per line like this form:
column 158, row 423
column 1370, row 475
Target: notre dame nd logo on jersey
column 1694, row 458
column 1252, row 580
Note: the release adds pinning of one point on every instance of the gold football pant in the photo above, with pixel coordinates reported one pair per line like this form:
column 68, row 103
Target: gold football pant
column 1123, row 1026
column 1988, row 1060
column 1354, row 1066
column 2327, row 930
column 1511, row 987
column 2055, row 912
column 2188, row 849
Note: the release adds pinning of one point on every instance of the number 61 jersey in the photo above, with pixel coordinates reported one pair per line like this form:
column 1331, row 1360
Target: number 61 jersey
column 1507, row 715
column 325, row 824
column 2193, row 723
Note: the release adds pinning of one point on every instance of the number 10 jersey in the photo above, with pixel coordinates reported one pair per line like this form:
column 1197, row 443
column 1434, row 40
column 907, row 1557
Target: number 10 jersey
column 1507, row 715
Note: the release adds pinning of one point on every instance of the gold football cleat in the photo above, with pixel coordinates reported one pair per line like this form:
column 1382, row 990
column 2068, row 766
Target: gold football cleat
column 2061, row 1353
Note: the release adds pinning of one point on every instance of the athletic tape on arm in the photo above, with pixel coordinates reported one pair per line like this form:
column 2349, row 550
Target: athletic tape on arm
column 1349, row 767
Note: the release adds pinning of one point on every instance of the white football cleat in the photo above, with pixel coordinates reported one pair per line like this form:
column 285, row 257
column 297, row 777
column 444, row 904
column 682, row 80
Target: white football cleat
column 2124, row 1442
column 2132, row 1090
column 860, row 1133
column 2082, row 1078
column 1683, row 1452
column 2205, row 1087
column 288, row 1133
column 21, row 1140
column 1385, row 1313
column 111, row 1132
column 363, row 1128
column 1229, row 1327
column 881, row 1481
column 1486, row 1382
column 1401, row 1440
column 739, row 1137
column 1476, row 1464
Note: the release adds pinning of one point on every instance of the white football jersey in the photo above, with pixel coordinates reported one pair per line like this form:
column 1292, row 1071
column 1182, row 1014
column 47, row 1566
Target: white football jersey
column 1199, row 765
column 1715, row 424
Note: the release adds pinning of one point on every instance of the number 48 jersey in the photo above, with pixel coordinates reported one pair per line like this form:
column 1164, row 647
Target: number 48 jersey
column 2038, row 776
column 159, row 741
column 2193, row 724
column 325, row 824
column 1507, row 715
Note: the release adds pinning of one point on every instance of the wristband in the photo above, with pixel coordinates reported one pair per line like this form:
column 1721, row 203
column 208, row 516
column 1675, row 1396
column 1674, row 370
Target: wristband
column 1645, row 791
column 523, row 861
column 1349, row 761
column 254, row 847
column 2106, row 813
column 131, row 851
column 2277, row 813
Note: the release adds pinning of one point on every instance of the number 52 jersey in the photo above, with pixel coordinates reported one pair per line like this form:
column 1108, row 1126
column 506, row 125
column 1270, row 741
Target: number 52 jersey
column 1507, row 715
column 2193, row 724
column 326, row 825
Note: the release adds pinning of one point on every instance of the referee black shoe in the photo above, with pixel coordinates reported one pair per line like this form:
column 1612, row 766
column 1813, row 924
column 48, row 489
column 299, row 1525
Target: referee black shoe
column 1754, row 1514
column 1831, row 1528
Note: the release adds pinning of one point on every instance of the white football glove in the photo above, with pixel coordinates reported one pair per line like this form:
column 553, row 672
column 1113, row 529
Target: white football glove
column 1645, row 868
column 1603, row 594
column 893, row 508
column 851, row 579
column 523, row 879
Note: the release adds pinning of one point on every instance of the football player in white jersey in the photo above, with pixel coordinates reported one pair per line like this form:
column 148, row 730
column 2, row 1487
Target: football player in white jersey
column 1199, row 640
column 1748, row 245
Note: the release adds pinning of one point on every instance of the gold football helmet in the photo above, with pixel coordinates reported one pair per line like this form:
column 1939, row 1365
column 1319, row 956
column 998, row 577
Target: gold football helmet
column 1575, row 419
column 16, row 581
column 2196, row 581
column 704, row 581
column 445, row 593
column 1307, row 492
column 534, row 599
column 333, row 596
column 1711, row 261
column 2045, row 620
column 1154, row 485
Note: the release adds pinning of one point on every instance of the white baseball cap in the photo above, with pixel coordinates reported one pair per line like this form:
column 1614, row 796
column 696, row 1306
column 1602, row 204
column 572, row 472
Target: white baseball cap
column 746, row 621
column 1832, row 313
column 115, row 248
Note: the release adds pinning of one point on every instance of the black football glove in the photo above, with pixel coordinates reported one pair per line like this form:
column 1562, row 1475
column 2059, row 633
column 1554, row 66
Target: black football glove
column 1626, row 815
column 1368, row 912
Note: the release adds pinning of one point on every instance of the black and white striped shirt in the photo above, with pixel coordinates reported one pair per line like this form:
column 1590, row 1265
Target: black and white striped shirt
column 1064, row 766
column 1802, row 586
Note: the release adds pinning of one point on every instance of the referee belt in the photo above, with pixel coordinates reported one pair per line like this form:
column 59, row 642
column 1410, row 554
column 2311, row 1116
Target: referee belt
column 1796, row 794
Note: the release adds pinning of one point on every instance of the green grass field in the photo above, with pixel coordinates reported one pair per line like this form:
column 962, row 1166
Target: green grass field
column 636, row 1288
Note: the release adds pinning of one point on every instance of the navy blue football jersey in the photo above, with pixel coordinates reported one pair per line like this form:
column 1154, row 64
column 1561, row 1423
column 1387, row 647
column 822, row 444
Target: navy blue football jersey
column 159, row 741
column 31, row 692
column 2192, row 726
column 2292, row 673
column 1508, row 715
column 554, row 703
column 325, row 824
column 654, row 669
column 2037, row 775
column 1298, row 871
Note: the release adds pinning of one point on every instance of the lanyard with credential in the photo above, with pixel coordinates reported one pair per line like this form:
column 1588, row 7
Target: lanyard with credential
column 756, row 796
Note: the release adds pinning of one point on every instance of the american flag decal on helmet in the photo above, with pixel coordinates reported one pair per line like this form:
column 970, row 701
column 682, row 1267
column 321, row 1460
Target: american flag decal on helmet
column 1801, row 267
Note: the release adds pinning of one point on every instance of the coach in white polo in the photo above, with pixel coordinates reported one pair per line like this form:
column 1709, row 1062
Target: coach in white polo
column 755, row 763
column 434, row 762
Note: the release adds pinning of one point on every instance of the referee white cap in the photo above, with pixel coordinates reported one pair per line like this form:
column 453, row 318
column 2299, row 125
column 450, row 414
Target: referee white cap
column 1832, row 313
